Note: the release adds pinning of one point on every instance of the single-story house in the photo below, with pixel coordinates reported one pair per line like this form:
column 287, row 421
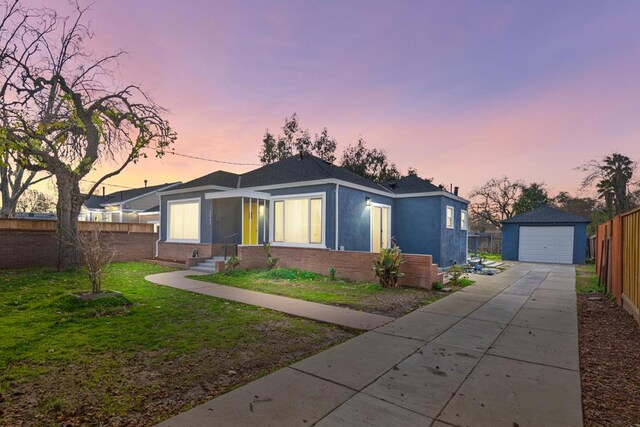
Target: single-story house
column 545, row 234
column 305, row 202
column 138, row 205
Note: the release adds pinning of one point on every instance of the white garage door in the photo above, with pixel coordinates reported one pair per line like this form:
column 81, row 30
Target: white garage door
column 546, row 244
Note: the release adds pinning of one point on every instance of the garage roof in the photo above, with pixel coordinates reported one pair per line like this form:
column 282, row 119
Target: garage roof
column 546, row 215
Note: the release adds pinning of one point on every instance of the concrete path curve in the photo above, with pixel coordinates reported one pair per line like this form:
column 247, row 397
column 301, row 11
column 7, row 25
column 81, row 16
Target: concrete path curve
column 503, row 352
column 311, row 310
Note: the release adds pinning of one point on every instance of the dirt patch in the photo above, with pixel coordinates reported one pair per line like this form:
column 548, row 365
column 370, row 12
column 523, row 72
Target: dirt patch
column 398, row 304
column 148, row 387
column 609, row 363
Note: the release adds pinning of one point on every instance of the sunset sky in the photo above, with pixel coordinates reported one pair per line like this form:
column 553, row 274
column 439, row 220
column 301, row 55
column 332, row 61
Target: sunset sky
column 462, row 90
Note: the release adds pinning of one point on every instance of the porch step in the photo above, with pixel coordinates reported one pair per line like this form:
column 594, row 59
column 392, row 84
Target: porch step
column 211, row 265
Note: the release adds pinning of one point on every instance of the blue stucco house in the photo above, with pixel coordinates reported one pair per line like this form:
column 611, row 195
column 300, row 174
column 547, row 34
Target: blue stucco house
column 547, row 235
column 305, row 202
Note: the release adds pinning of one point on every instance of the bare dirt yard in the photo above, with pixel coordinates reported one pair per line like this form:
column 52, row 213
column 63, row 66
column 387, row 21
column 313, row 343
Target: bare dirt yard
column 609, row 358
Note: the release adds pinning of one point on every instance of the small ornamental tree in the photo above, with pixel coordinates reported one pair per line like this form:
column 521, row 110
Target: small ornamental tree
column 96, row 247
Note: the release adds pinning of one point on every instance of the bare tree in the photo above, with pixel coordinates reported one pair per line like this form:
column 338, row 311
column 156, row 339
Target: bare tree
column 14, row 182
column 494, row 201
column 97, row 249
column 35, row 201
column 64, row 113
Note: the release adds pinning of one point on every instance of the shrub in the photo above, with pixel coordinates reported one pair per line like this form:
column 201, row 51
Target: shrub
column 437, row 286
column 96, row 247
column 455, row 273
column 462, row 282
column 231, row 264
column 332, row 274
column 387, row 267
column 271, row 261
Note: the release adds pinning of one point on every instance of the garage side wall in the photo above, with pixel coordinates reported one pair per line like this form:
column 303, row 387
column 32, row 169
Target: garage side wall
column 510, row 241
column 579, row 243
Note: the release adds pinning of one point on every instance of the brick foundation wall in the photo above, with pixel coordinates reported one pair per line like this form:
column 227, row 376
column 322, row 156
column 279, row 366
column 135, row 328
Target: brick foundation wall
column 419, row 270
column 29, row 249
column 179, row 252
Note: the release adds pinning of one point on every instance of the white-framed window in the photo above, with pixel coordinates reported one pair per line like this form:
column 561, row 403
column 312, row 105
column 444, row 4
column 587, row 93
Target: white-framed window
column 449, row 220
column 464, row 220
column 183, row 221
column 299, row 219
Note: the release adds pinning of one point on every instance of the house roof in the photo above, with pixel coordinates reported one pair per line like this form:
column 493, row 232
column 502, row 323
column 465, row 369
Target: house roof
column 220, row 178
column 97, row 202
column 94, row 201
column 410, row 184
column 302, row 168
column 154, row 209
column 546, row 215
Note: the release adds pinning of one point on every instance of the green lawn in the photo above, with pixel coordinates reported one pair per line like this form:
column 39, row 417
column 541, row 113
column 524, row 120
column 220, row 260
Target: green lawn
column 488, row 257
column 318, row 288
column 586, row 279
column 146, row 356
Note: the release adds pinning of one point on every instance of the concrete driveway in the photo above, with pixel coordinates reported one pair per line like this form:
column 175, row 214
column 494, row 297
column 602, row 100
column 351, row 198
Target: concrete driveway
column 503, row 352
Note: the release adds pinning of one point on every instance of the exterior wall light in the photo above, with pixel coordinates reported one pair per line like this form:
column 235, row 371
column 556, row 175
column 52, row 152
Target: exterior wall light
column 367, row 200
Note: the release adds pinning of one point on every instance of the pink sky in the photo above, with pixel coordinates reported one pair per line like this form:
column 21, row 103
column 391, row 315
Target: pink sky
column 463, row 91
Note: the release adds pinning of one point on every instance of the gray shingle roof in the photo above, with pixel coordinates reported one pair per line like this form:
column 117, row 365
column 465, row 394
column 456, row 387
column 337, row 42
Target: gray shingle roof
column 410, row 184
column 302, row 168
column 546, row 215
column 221, row 178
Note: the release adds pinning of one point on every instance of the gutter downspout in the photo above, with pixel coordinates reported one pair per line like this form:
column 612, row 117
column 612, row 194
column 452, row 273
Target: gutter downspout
column 337, row 215
column 159, row 225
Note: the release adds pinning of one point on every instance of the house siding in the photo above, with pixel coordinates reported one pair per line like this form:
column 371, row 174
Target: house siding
column 355, row 218
column 420, row 224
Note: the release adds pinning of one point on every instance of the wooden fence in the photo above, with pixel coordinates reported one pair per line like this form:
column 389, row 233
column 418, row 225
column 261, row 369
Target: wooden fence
column 618, row 259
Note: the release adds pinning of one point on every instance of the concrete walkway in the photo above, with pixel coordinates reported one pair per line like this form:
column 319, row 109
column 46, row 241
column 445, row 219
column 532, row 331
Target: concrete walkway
column 321, row 312
column 503, row 352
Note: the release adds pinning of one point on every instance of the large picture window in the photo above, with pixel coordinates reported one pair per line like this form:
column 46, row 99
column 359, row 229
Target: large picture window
column 184, row 220
column 298, row 220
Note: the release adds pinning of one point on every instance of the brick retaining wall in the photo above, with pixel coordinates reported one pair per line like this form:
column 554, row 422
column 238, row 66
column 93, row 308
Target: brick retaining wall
column 419, row 270
column 33, row 243
column 179, row 252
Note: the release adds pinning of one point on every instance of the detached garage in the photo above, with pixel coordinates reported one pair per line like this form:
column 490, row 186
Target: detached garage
column 545, row 235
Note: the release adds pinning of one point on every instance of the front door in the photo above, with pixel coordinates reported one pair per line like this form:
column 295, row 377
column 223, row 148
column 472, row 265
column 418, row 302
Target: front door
column 250, row 222
column 380, row 227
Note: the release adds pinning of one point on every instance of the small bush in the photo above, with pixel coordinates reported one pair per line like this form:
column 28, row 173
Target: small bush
column 387, row 267
column 332, row 274
column 462, row 282
column 455, row 273
column 271, row 261
column 231, row 264
column 437, row 286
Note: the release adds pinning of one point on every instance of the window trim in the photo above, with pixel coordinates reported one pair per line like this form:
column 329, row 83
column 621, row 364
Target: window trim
column 464, row 214
column 379, row 205
column 198, row 200
column 308, row 196
column 453, row 217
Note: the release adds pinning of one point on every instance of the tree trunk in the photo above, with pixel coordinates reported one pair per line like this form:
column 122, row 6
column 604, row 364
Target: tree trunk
column 68, row 208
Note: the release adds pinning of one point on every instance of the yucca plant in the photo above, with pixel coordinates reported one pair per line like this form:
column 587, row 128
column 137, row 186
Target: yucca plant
column 455, row 273
column 387, row 267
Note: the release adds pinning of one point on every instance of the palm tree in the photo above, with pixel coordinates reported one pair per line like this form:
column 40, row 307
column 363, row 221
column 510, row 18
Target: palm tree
column 612, row 177
column 618, row 170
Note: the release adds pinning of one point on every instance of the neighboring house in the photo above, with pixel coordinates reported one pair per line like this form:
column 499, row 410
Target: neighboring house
column 139, row 205
column 305, row 202
column 545, row 234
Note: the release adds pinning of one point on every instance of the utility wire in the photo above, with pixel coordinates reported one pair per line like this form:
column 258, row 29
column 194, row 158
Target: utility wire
column 205, row 159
